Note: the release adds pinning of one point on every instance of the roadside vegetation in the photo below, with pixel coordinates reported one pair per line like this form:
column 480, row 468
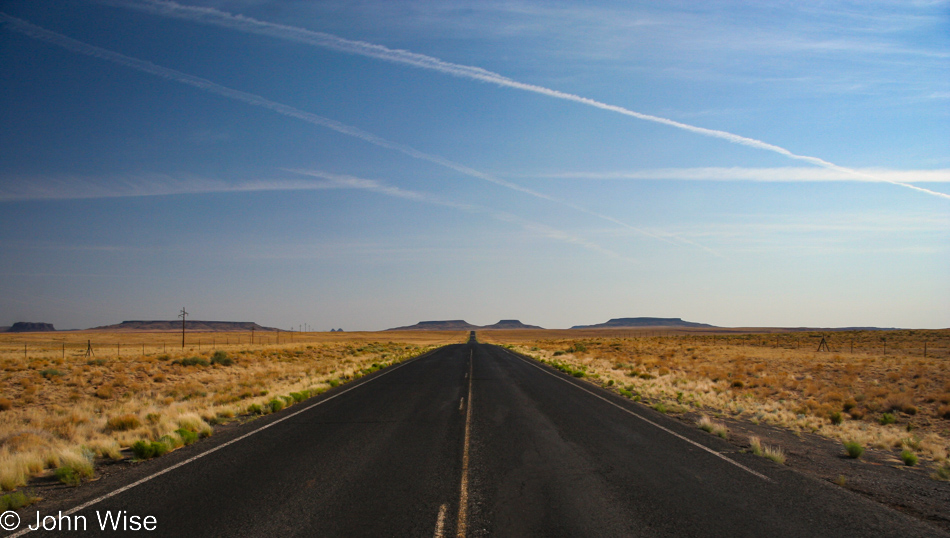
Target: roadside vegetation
column 885, row 395
column 59, row 415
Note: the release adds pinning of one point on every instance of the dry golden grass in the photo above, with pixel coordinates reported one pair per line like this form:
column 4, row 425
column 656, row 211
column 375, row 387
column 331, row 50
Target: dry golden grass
column 776, row 378
column 58, row 411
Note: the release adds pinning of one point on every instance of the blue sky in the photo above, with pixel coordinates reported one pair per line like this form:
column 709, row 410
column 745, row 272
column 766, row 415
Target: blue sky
column 370, row 164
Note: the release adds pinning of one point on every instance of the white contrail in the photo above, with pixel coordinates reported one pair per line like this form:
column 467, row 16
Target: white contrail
column 362, row 48
column 739, row 173
column 74, row 45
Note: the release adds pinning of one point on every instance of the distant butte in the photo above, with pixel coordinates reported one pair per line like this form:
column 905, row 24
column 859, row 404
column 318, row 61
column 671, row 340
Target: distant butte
column 462, row 325
column 642, row 322
column 30, row 327
column 190, row 325
column 510, row 324
column 448, row 325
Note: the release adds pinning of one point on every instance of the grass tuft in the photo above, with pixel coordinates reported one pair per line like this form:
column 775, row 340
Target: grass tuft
column 773, row 453
column 909, row 458
column 942, row 472
column 854, row 449
column 275, row 405
column 123, row 423
column 715, row 428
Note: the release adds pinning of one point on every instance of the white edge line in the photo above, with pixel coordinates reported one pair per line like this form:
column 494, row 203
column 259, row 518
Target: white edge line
column 648, row 421
column 71, row 511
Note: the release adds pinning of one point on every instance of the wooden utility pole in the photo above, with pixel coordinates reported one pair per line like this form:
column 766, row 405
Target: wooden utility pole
column 182, row 316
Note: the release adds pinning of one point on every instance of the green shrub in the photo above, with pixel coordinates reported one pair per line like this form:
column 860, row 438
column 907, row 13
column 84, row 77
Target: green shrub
column 836, row 418
column 15, row 501
column 67, row 475
column 144, row 450
column 163, row 357
column 886, row 419
column 626, row 393
column 275, row 405
column 187, row 436
column 334, row 382
column 909, row 458
column 50, row 372
column 221, row 358
column 558, row 353
column 854, row 449
column 942, row 472
column 299, row 396
column 171, row 441
column 159, row 448
column 578, row 374
column 660, row 407
column 255, row 409
column 191, row 361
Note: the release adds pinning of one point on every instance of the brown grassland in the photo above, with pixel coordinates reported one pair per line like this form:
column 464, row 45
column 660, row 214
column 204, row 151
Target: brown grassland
column 61, row 409
column 886, row 394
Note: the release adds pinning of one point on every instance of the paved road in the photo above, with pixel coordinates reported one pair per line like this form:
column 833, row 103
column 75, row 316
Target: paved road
column 529, row 451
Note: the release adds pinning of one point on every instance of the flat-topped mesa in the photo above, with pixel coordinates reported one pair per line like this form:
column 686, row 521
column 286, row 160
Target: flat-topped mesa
column 510, row 324
column 30, row 327
column 193, row 325
column 446, row 325
column 643, row 322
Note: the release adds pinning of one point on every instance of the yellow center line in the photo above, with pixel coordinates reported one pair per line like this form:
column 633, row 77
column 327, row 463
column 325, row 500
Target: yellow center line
column 440, row 523
column 462, row 528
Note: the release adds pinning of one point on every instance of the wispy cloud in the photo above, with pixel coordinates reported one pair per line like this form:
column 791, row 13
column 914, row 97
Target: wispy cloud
column 345, row 181
column 779, row 174
column 73, row 188
column 162, row 185
column 321, row 39
column 68, row 43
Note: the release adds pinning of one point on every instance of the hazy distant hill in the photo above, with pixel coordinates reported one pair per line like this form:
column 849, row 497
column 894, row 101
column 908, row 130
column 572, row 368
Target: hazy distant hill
column 30, row 327
column 190, row 325
column 510, row 324
column 462, row 325
column 448, row 325
column 642, row 322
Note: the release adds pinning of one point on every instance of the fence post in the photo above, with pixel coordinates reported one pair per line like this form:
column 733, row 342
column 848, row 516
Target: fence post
column 118, row 351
